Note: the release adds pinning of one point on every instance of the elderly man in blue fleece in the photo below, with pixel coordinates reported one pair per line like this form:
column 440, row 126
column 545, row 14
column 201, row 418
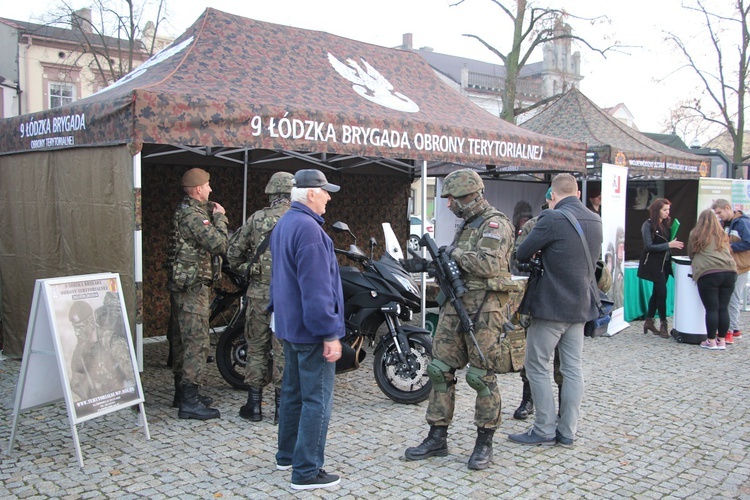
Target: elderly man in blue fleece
column 308, row 317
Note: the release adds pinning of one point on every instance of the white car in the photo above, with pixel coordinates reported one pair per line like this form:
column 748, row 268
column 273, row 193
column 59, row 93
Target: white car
column 415, row 231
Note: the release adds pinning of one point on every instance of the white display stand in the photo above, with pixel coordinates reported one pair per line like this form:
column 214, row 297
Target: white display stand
column 689, row 323
column 78, row 348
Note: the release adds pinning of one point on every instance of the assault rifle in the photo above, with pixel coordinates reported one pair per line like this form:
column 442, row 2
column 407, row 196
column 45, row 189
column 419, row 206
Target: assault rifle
column 452, row 286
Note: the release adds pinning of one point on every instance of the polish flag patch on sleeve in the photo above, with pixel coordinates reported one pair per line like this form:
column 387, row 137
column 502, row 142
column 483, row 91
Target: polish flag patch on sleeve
column 494, row 225
column 206, row 222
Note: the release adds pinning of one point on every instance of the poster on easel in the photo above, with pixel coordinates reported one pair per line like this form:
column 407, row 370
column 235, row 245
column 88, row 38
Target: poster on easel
column 614, row 189
column 79, row 349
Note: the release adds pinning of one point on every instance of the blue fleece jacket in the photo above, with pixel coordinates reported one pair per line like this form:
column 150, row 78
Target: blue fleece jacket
column 306, row 294
column 739, row 227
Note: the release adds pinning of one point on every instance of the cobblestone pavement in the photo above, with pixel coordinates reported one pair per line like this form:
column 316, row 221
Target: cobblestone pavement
column 659, row 419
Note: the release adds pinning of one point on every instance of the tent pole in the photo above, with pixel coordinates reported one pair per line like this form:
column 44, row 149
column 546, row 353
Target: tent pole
column 423, row 202
column 138, row 260
column 244, row 192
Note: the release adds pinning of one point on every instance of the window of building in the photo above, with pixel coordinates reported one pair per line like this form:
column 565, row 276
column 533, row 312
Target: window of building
column 61, row 93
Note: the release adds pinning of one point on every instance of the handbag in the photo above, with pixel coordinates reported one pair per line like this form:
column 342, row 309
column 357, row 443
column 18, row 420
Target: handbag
column 598, row 326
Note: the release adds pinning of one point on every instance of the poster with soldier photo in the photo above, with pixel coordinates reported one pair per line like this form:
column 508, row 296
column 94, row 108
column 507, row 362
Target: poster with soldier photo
column 97, row 351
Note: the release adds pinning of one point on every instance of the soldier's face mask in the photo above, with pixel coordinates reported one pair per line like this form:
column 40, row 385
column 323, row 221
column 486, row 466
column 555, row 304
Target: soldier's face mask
column 461, row 206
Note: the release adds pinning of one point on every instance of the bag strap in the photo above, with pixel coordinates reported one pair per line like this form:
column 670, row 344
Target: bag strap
column 592, row 274
column 258, row 252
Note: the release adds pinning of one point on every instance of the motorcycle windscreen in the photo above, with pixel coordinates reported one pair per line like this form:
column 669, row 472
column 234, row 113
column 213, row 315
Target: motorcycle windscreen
column 392, row 246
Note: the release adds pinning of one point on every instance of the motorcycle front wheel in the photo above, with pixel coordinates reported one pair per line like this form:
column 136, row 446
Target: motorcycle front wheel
column 406, row 385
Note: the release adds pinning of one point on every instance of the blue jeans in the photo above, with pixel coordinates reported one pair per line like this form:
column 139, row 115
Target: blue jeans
column 541, row 339
column 305, row 409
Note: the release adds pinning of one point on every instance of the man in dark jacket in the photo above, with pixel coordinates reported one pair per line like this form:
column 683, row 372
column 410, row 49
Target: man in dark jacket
column 307, row 303
column 563, row 302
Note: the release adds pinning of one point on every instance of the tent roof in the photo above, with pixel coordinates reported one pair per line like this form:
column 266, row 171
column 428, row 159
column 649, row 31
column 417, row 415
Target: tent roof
column 574, row 117
column 231, row 84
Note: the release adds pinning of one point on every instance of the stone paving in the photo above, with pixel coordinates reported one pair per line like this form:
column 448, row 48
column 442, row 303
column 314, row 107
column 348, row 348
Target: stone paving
column 659, row 420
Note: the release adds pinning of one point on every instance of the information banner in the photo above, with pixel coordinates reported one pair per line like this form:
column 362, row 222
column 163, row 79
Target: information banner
column 614, row 189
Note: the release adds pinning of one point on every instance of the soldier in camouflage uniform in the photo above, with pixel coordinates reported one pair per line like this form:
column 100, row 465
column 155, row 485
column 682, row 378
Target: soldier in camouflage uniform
column 199, row 237
column 482, row 250
column 101, row 361
column 249, row 254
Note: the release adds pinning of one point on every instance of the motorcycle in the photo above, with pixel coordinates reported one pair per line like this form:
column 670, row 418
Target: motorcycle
column 376, row 293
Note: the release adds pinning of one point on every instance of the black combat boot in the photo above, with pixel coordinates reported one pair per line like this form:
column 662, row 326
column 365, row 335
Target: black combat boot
column 252, row 410
column 190, row 407
column 481, row 457
column 205, row 400
column 434, row 445
column 276, row 400
column 526, row 407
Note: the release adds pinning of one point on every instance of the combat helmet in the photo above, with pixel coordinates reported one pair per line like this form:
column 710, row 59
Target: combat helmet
column 280, row 183
column 461, row 182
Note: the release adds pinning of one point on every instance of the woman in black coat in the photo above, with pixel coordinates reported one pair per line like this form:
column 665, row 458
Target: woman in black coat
column 655, row 264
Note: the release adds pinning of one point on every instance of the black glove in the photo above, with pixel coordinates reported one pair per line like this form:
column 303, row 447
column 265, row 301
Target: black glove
column 415, row 265
column 447, row 249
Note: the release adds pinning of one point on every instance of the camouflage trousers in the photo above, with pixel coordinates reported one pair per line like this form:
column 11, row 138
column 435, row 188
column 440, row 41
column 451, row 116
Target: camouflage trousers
column 456, row 350
column 262, row 367
column 190, row 348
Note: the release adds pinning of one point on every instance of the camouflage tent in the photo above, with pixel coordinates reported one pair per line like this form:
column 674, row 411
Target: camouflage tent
column 90, row 186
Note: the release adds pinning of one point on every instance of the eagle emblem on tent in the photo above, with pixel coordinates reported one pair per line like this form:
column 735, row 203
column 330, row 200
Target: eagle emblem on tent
column 370, row 84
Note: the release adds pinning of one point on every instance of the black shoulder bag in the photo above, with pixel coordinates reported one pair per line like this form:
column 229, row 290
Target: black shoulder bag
column 596, row 327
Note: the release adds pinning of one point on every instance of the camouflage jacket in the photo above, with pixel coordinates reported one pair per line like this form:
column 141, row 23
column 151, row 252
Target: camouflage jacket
column 196, row 237
column 243, row 246
column 483, row 249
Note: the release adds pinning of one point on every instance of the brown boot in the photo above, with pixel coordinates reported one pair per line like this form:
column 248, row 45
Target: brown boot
column 664, row 329
column 649, row 325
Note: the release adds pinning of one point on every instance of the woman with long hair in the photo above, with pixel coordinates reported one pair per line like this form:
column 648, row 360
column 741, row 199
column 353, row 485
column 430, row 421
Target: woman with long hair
column 656, row 263
column 715, row 272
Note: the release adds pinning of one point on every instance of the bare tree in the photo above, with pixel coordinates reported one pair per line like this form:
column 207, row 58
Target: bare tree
column 114, row 33
column 532, row 27
column 723, row 87
column 686, row 123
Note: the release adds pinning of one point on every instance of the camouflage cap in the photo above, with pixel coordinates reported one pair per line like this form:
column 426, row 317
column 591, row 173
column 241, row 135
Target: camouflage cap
column 280, row 183
column 80, row 311
column 195, row 177
column 462, row 182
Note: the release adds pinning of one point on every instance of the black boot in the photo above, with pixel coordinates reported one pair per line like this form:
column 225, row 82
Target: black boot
column 526, row 407
column 190, row 407
column 252, row 410
column 205, row 400
column 481, row 457
column 276, row 400
column 434, row 445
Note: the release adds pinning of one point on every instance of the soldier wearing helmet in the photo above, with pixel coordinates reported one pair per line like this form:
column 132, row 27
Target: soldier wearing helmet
column 482, row 251
column 248, row 254
column 199, row 238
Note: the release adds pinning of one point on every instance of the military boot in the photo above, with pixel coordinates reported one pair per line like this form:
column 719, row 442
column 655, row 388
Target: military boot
column 434, row 445
column 252, row 409
column 481, row 457
column 205, row 400
column 526, row 407
column 276, row 401
column 190, row 407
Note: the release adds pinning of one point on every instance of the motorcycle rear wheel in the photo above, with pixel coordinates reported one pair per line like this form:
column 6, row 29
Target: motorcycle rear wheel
column 406, row 387
column 231, row 355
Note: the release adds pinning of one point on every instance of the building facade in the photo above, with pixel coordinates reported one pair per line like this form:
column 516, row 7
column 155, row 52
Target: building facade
column 43, row 66
column 483, row 83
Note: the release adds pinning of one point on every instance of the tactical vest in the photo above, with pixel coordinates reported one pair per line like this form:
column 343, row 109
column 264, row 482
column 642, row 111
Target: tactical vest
column 260, row 271
column 188, row 263
column 467, row 239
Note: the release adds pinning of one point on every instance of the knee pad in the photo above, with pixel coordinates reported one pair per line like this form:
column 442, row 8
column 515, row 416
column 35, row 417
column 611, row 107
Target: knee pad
column 474, row 379
column 436, row 370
